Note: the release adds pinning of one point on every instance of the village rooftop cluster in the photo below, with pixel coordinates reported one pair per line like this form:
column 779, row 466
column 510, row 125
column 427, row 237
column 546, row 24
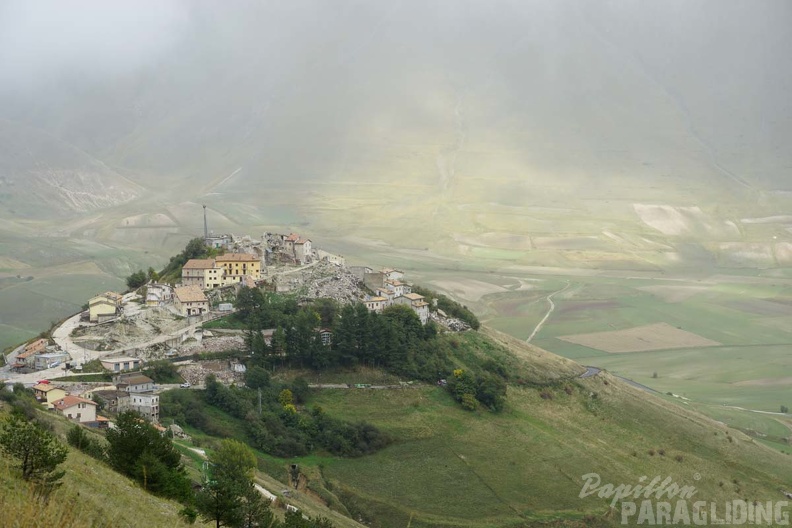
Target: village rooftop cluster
column 244, row 264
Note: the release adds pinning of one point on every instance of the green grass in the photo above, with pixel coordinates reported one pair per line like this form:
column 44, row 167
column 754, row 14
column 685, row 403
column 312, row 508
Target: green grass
column 92, row 494
column 492, row 470
column 106, row 376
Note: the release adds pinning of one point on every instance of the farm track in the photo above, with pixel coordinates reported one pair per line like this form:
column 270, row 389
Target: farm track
column 549, row 312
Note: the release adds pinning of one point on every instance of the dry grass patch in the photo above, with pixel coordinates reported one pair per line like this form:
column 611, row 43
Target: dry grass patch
column 659, row 336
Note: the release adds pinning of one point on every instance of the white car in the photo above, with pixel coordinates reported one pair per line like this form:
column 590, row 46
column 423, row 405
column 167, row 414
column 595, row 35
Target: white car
column 185, row 385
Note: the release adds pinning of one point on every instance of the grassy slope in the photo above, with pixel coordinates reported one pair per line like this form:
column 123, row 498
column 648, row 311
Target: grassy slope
column 453, row 468
column 92, row 495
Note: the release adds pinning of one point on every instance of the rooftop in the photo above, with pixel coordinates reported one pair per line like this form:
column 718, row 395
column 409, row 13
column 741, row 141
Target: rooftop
column 199, row 264
column 413, row 296
column 134, row 379
column 237, row 257
column 190, row 294
column 70, row 401
column 120, row 360
column 36, row 344
column 45, row 387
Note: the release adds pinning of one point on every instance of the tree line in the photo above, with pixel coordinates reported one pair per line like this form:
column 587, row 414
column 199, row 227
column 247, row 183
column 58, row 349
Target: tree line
column 275, row 426
column 394, row 340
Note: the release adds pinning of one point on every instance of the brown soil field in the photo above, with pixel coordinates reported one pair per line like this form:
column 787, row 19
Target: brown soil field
column 659, row 336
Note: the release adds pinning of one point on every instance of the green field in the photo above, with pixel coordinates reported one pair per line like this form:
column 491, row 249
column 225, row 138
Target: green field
column 749, row 314
column 451, row 468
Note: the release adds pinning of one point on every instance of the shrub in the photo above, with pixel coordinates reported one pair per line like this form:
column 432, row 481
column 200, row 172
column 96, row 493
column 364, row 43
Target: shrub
column 77, row 437
column 468, row 402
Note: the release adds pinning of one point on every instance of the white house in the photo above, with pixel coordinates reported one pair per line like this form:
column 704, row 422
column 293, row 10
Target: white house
column 146, row 403
column 398, row 287
column 133, row 382
column 75, row 408
column 302, row 250
column 417, row 303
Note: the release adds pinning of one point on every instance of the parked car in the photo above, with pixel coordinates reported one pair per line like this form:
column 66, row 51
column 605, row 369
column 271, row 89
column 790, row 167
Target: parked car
column 185, row 385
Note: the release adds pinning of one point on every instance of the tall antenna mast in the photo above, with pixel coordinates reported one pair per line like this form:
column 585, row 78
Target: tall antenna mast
column 206, row 228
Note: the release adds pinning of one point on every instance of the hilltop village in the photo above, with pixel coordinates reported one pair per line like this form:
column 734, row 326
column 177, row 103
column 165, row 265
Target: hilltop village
column 119, row 333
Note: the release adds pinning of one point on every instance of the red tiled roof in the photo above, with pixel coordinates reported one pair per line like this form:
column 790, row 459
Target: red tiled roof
column 292, row 237
column 70, row 401
column 37, row 344
column 199, row 264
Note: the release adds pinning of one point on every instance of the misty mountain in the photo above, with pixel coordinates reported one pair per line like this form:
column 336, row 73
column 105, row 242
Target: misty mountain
column 572, row 133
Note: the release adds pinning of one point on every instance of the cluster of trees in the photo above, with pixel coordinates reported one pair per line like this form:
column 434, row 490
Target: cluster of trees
column 394, row 340
column 275, row 426
column 473, row 389
column 229, row 496
column 139, row 451
column 140, row 278
column 136, row 449
column 162, row 371
column 88, row 444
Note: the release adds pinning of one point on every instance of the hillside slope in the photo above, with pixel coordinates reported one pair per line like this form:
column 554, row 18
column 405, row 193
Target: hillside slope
column 92, row 494
column 524, row 466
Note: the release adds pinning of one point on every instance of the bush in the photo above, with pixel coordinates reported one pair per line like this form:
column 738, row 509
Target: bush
column 468, row 402
column 77, row 437
column 136, row 280
column 162, row 371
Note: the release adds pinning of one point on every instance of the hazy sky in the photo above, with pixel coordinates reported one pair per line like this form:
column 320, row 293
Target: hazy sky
column 296, row 78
